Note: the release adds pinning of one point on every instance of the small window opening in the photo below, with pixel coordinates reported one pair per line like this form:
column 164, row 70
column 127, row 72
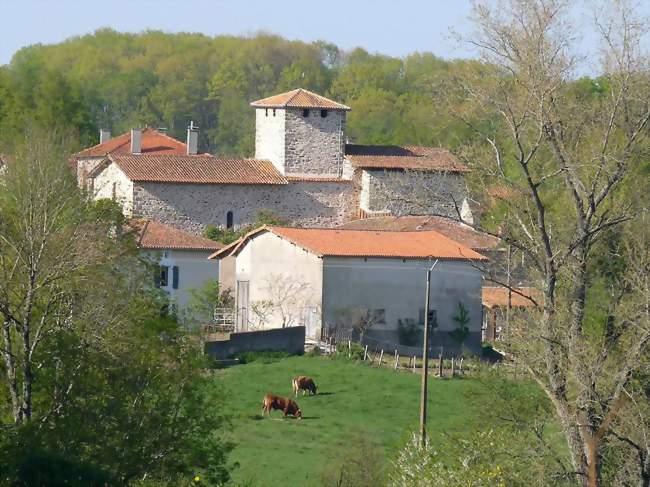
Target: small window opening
column 323, row 113
column 229, row 220
column 305, row 112
column 162, row 276
column 266, row 112
column 274, row 112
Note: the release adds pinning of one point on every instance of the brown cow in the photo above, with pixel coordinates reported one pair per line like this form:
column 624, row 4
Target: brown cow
column 304, row 384
column 287, row 406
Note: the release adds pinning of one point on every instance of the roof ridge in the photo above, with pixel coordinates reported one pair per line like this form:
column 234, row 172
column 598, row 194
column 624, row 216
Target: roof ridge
column 295, row 94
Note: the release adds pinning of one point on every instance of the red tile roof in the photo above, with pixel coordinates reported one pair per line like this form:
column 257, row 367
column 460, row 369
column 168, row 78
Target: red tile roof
column 199, row 169
column 157, row 236
column 299, row 98
column 152, row 143
column 317, row 179
column 353, row 243
column 464, row 234
column 410, row 157
column 522, row 297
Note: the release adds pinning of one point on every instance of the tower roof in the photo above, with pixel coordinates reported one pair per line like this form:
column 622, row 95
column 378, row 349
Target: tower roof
column 299, row 98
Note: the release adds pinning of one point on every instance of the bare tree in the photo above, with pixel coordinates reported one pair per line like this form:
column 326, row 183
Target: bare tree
column 563, row 151
column 49, row 254
column 288, row 297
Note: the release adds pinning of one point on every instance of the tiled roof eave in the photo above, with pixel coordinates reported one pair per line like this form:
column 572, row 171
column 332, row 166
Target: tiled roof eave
column 215, row 183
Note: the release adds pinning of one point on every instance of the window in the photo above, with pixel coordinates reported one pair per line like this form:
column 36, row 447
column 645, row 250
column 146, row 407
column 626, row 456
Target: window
column 274, row 112
column 229, row 220
column 161, row 279
column 175, row 277
column 323, row 113
column 305, row 112
column 266, row 112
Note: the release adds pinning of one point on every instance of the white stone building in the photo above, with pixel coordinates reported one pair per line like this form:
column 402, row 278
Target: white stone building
column 303, row 171
column 182, row 258
column 331, row 279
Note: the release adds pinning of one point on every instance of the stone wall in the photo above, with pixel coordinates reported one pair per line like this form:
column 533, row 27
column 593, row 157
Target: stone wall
column 291, row 340
column 411, row 192
column 314, row 144
column 269, row 136
column 193, row 206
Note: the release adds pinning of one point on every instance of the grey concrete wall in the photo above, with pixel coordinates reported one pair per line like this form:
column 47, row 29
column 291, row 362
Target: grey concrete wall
column 314, row 144
column 411, row 192
column 291, row 340
column 191, row 207
column 351, row 286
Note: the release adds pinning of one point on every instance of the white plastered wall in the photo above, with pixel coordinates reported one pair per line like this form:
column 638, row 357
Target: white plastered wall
column 284, row 280
column 111, row 183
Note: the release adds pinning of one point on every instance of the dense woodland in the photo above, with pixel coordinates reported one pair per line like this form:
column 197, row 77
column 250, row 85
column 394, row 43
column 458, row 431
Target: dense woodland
column 119, row 81
column 568, row 156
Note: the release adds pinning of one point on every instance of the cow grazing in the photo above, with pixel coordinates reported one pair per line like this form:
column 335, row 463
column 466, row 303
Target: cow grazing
column 304, row 384
column 286, row 405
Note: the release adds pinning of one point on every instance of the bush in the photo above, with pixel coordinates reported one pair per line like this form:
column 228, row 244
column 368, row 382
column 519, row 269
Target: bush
column 357, row 350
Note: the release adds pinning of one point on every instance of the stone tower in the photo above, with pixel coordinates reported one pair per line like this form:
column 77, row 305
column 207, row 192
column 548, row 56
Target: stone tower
column 301, row 133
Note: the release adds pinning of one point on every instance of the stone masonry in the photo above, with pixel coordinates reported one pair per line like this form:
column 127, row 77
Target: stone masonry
column 411, row 193
column 314, row 144
column 191, row 207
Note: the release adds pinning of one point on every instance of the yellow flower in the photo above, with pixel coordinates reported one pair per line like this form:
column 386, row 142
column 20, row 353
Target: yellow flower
column 196, row 478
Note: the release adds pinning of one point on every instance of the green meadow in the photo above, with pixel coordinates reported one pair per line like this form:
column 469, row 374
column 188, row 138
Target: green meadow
column 356, row 405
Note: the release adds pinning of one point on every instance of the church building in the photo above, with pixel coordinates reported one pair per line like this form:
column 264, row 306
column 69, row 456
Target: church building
column 303, row 171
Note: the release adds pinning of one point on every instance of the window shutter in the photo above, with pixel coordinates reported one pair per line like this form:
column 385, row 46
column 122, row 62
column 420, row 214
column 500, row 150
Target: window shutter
column 175, row 277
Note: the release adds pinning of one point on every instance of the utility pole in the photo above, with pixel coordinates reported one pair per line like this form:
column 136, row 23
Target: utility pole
column 425, row 361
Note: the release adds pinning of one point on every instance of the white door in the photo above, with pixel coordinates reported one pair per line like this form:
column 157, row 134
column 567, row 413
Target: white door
column 242, row 305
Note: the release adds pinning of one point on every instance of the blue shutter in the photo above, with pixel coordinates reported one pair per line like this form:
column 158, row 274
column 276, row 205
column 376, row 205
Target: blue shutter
column 175, row 277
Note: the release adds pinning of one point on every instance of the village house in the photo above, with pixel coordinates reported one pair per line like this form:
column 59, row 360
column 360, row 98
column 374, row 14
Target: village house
column 367, row 283
column 303, row 171
column 180, row 258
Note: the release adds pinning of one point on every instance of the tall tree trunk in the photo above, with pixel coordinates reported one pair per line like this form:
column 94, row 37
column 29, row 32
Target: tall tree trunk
column 10, row 366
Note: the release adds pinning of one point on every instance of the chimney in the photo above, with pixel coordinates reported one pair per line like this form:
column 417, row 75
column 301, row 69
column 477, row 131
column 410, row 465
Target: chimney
column 104, row 135
column 192, row 139
column 136, row 141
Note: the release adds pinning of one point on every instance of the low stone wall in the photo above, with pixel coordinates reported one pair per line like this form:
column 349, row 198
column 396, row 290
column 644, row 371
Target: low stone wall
column 291, row 340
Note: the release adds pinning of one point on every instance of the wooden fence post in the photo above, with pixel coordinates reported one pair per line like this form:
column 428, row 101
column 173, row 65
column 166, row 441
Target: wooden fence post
column 440, row 365
column 453, row 368
column 349, row 348
column 460, row 369
column 396, row 360
column 381, row 356
column 365, row 353
column 414, row 364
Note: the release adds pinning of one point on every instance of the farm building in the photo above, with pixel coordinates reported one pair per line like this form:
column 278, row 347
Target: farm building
column 365, row 283
column 498, row 301
column 303, row 171
column 181, row 258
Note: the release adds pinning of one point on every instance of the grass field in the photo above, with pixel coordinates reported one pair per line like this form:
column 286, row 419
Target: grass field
column 354, row 400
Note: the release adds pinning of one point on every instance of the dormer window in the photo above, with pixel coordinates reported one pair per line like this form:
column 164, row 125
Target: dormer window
column 305, row 113
column 323, row 113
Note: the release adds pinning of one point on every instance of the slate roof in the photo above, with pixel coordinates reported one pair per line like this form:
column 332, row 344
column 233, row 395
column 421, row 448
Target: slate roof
column 198, row 169
column 158, row 236
column 354, row 243
column 450, row 228
column 407, row 157
column 152, row 143
column 497, row 297
column 299, row 98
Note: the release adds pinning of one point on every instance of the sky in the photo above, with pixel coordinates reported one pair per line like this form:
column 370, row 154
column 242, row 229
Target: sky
column 393, row 27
